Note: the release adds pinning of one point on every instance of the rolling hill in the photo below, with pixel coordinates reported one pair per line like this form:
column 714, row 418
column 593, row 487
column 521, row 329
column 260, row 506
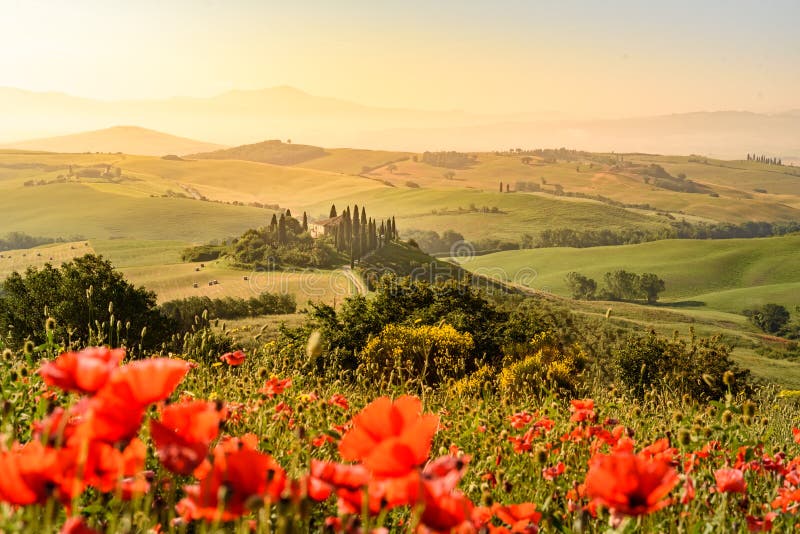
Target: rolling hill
column 275, row 152
column 726, row 275
column 123, row 139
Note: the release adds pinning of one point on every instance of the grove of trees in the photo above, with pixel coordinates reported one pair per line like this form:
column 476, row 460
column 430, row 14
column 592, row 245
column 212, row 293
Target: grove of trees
column 619, row 285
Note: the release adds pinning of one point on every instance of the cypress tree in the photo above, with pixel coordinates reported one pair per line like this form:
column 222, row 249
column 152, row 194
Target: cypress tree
column 340, row 239
column 394, row 229
column 363, row 248
column 305, row 222
column 501, row 187
column 273, row 224
column 282, row 230
column 363, row 217
column 348, row 229
column 333, row 211
column 288, row 212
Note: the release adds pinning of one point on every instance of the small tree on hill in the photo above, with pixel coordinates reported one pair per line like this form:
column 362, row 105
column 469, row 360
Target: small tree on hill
column 581, row 287
column 770, row 318
column 650, row 286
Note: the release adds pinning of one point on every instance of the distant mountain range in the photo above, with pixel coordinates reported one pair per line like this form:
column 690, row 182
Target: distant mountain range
column 240, row 117
column 127, row 139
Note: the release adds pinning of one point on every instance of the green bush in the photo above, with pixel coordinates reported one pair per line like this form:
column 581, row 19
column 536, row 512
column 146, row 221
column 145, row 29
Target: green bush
column 701, row 368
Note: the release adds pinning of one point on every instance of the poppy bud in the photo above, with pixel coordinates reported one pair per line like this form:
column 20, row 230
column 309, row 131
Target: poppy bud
column 684, row 436
column 749, row 408
column 727, row 417
column 50, row 324
column 28, row 347
column 728, row 378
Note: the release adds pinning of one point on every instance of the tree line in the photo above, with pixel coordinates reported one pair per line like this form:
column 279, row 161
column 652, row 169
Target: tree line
column 432, row 242
column 764, row 159
column 185, row 312
column 21, row 240
column 450, row 160
column 619, row 285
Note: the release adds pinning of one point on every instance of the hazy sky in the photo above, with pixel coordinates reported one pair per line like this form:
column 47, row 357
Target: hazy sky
column 594, row 57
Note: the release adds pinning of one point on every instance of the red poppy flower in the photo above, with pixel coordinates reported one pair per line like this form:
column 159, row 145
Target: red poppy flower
column 755, row 524
column 30, row 474
column 390, row 438
column 236, row 479
column 275, row 386
column 520, row 419
column 183, row 434
column 446, row 512
column 551, row 473
column 582, row 410
column 115, row 413
column 76, row 525
column 233, row 358
column 520, row 517
column 144, row 382
column 629, row 484
column 787, row 499
column 326, row 477
column 84, row 372
column 730, row 481
column 340, row 401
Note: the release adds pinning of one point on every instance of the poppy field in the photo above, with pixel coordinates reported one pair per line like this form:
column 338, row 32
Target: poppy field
column 93, row 441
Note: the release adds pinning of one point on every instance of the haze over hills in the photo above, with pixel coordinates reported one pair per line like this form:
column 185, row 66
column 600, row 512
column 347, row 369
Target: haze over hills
column 240, row 117
column 126, row 139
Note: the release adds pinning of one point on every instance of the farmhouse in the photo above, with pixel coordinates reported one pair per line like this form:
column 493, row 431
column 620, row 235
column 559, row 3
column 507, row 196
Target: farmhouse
column 324, row 226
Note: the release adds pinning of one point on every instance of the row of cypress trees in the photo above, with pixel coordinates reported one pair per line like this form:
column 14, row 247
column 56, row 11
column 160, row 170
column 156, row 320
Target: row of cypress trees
column 356, row 234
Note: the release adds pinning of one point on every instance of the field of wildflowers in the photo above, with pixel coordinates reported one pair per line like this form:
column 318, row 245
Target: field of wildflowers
column 92, row 442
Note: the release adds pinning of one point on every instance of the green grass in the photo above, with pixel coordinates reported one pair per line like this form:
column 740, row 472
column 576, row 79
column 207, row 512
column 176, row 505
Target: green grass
column 125, row 253
column 63, row 210
column 726, row 275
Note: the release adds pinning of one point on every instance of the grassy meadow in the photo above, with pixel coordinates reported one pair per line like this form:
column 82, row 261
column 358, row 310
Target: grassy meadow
column 698, row 273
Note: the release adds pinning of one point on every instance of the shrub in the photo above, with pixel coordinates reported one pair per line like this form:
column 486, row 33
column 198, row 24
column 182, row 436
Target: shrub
column 698, row 368
column 481, row 380
column 771, row 318
column 433, row 354
column 546, row 368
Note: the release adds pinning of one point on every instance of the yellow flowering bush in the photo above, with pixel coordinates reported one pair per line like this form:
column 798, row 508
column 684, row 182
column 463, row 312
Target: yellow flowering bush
column 433, row 353
column 548, row 368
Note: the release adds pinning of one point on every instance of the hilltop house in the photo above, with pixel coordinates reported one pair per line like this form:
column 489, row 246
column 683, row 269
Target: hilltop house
column 324, row 226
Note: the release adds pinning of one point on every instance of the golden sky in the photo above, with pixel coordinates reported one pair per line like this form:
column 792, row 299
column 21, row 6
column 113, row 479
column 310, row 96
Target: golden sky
column 586, row 58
